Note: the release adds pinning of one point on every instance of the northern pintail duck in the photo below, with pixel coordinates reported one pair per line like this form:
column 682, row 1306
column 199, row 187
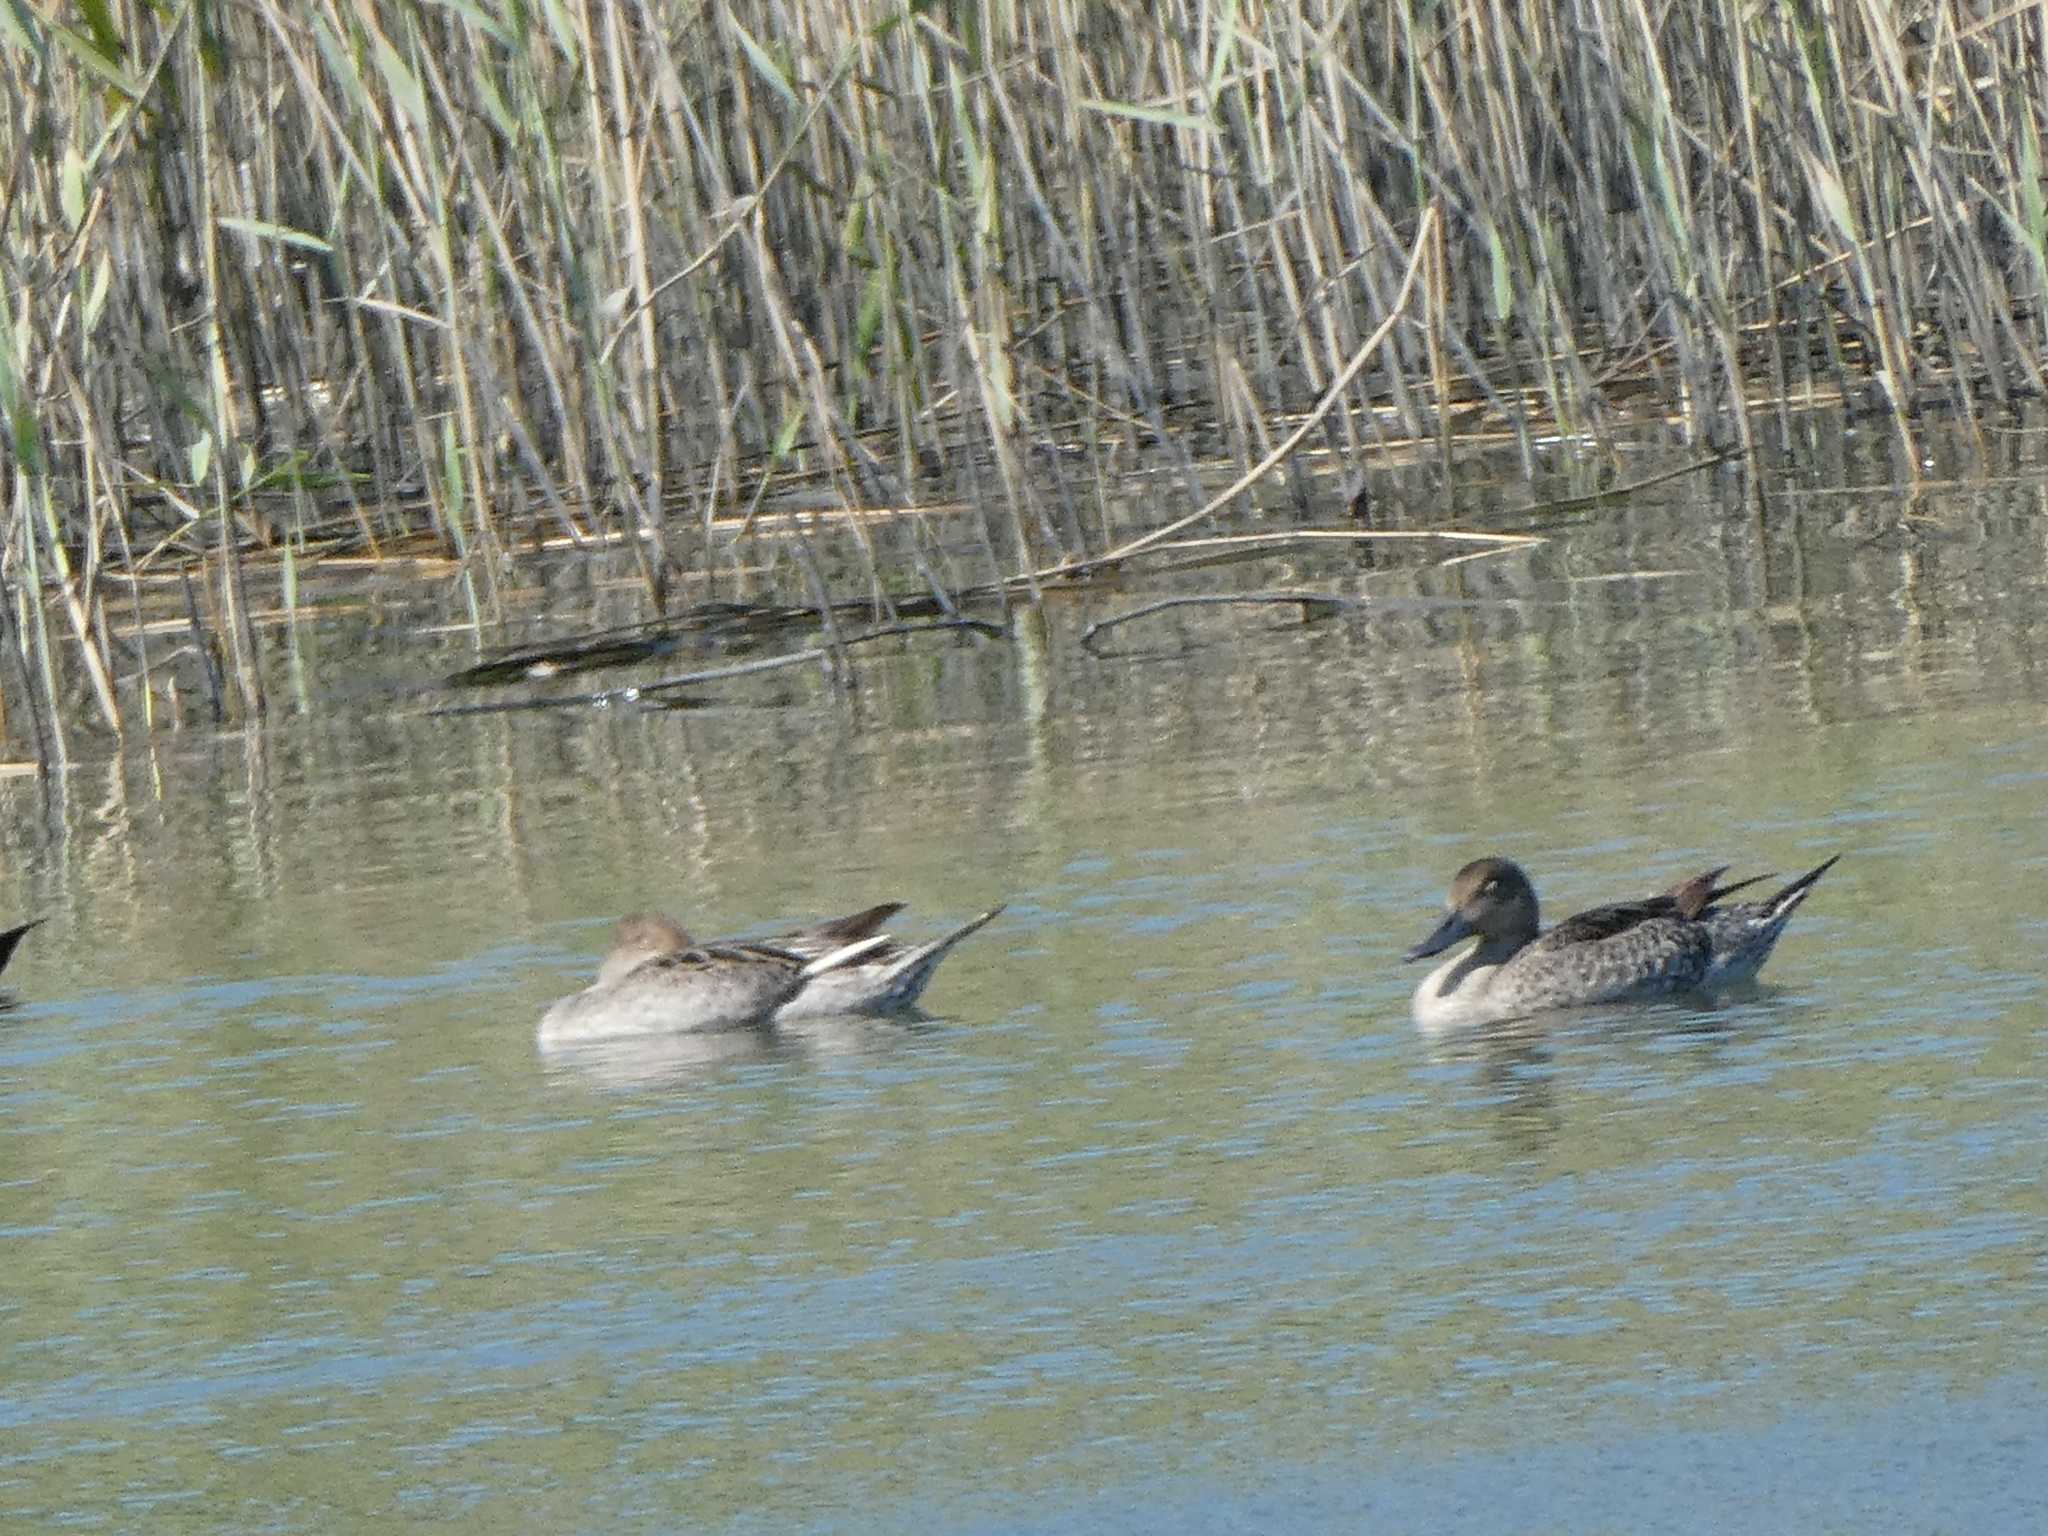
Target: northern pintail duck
column 657, row 980
column 13, row 937
column 1683, row 940
column 886, row 979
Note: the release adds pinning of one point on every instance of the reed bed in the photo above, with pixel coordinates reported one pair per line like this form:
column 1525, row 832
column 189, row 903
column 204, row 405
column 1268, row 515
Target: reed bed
column 282, row 283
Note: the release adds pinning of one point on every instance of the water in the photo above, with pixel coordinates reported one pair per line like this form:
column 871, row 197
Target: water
column 1168, row 1218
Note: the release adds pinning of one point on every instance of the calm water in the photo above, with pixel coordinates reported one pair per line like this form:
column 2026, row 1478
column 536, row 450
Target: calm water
column 1168, row 1218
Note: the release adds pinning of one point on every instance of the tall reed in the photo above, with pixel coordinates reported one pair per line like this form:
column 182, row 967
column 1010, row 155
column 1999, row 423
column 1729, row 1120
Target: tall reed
column 278, row 280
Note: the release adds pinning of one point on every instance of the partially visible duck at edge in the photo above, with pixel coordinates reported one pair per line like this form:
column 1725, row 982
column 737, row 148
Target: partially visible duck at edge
column 657, row 980
column 13, row 937
column 1684, row 940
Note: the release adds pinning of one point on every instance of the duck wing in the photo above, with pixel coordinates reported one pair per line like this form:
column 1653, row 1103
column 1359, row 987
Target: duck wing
column 821, row 938
column 1597, row 923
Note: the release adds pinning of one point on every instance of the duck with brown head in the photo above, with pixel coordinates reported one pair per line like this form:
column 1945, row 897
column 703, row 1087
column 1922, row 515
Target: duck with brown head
column 656, row 980
column 1679, row 941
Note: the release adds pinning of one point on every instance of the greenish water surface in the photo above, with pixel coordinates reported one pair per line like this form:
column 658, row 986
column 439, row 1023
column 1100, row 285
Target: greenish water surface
column 1167, row 1218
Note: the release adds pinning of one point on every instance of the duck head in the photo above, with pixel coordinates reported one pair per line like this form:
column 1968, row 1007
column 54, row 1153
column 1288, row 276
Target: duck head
column 1490, row 897
column 638, row 939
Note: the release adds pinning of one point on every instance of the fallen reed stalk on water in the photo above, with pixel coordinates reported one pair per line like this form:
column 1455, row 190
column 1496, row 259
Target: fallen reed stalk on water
column 662, row 688
column 1312, row 605
column 285, row 280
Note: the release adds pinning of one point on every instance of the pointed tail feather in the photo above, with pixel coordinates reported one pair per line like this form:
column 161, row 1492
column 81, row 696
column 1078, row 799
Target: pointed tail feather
column 1733, row 886
column 909, row 974
column 1744, row 935
column 1786, row 902
column 1698, row 895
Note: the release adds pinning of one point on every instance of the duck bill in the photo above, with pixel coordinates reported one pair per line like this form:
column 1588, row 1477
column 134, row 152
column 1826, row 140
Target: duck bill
column 1448, row 932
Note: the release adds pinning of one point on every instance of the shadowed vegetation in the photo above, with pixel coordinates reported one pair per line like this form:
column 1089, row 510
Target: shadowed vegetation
column 804, row 305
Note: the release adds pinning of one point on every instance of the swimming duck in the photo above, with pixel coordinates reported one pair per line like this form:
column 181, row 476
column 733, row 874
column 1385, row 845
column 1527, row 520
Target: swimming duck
column 886, row 979
column 657, row 980
column 1683, row 940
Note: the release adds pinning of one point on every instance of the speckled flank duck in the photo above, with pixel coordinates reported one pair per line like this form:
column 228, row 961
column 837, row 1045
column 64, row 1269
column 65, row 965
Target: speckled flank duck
column 658, row 981
column 12, row 937
column 1680, row 941
column 886, row 979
